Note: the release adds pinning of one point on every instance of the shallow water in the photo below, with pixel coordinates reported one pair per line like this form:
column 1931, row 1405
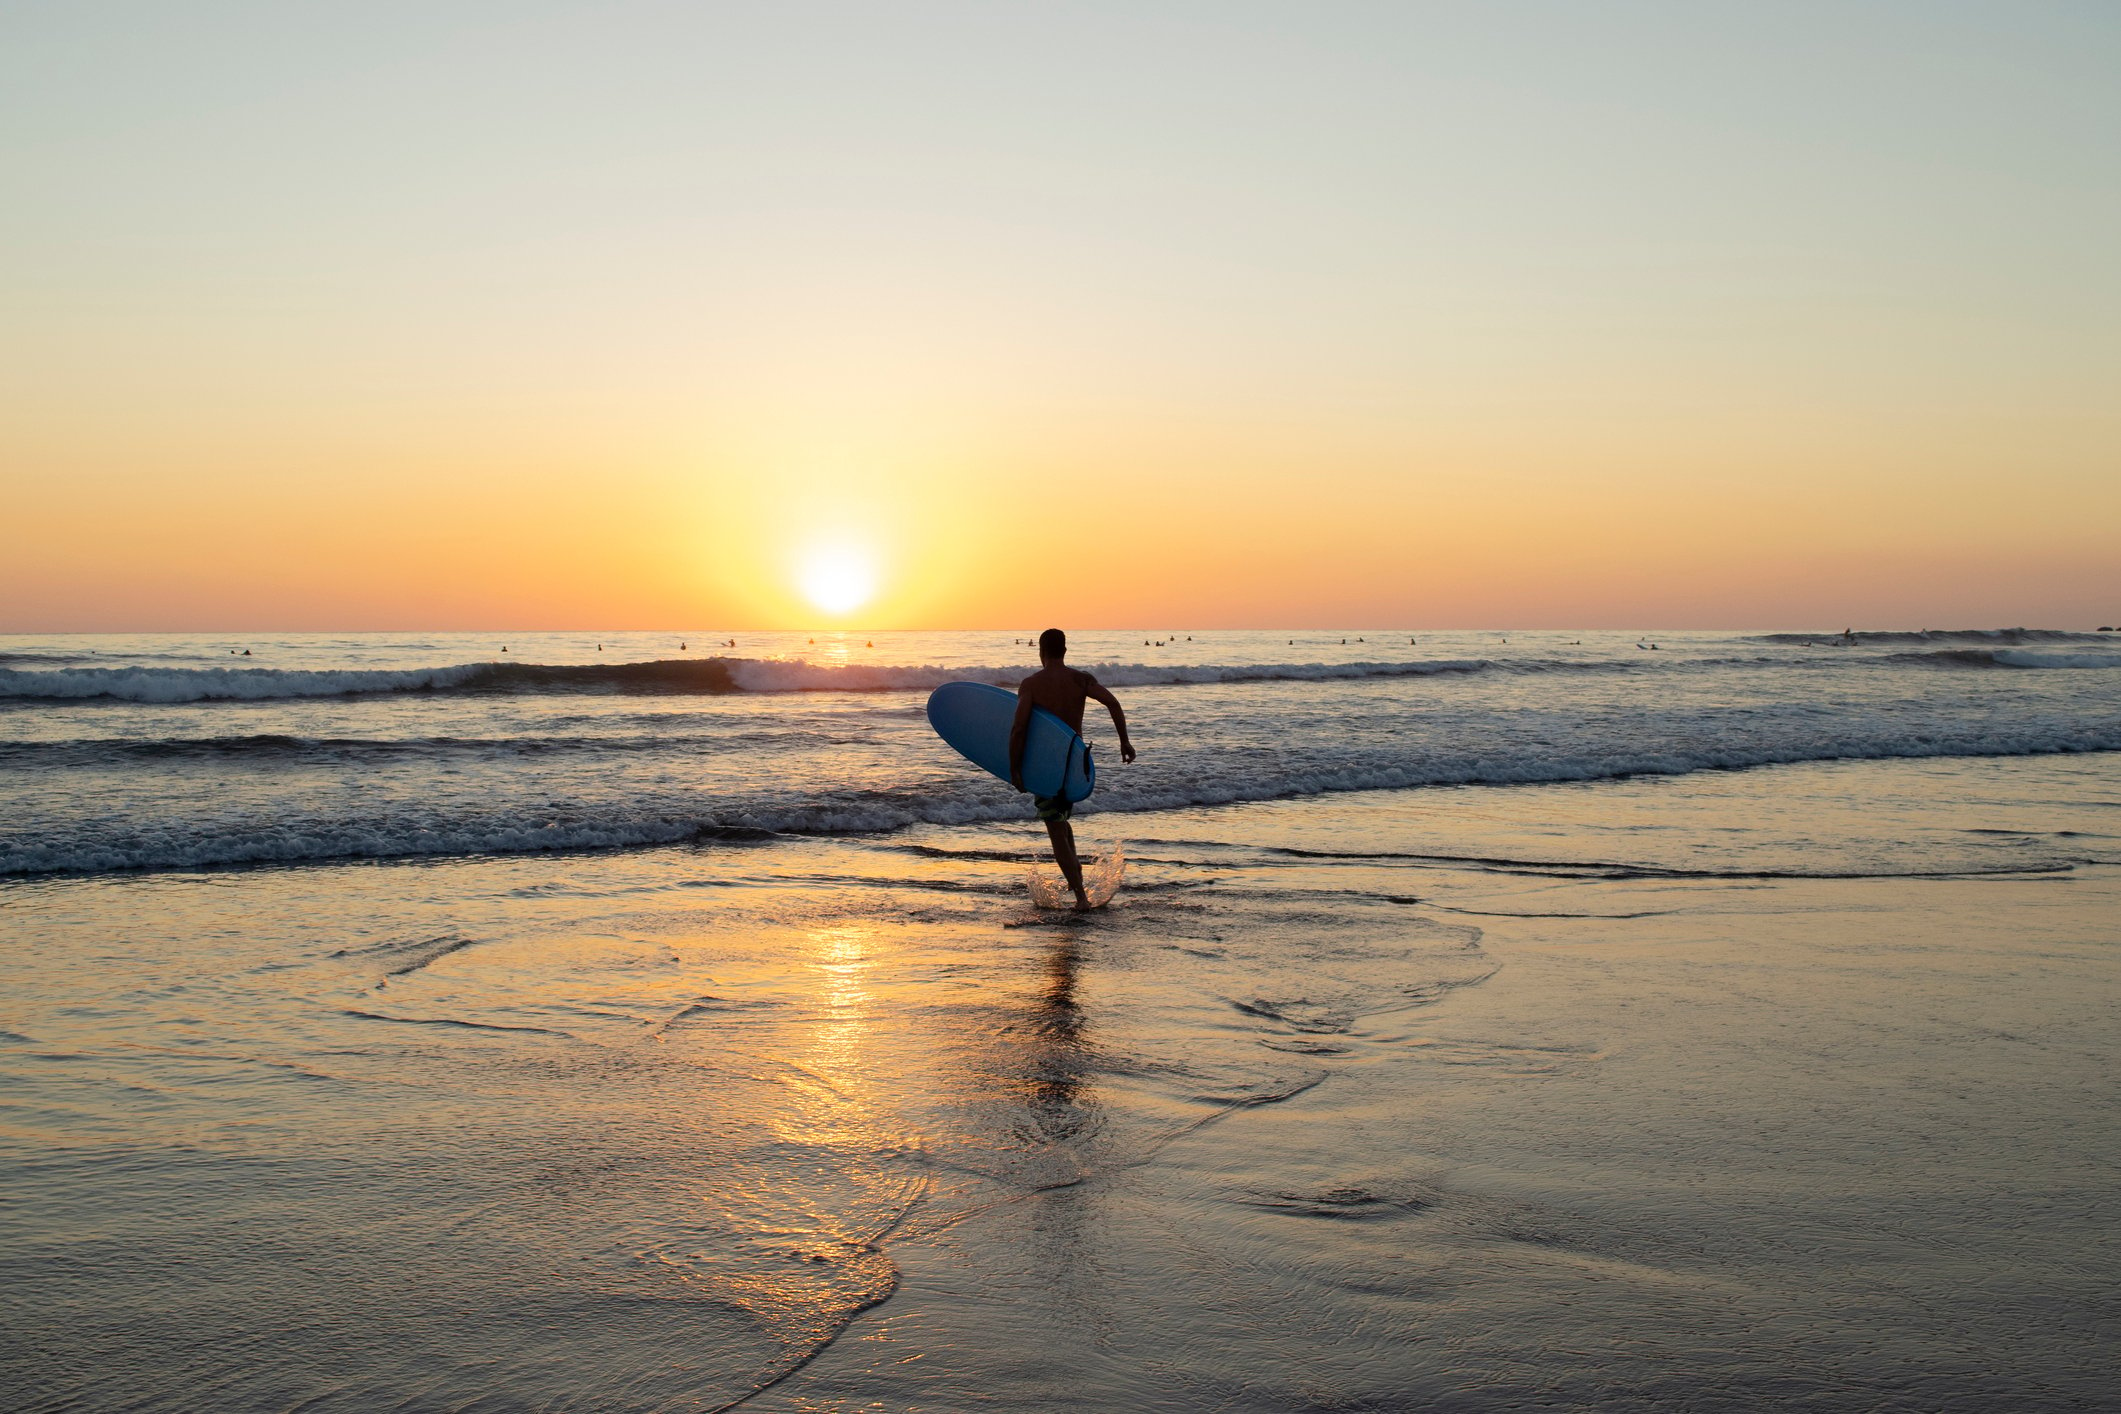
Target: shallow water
column 1788, row 1087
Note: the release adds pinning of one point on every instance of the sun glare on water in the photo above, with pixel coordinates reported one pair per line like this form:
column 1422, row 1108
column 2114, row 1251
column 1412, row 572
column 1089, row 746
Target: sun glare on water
column 837, row 577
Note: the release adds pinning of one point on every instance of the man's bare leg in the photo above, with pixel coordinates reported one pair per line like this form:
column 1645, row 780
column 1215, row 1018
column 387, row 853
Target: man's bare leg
column 1071, row 867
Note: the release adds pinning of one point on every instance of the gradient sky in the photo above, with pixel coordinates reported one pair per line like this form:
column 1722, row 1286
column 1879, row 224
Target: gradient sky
column 1215, row 314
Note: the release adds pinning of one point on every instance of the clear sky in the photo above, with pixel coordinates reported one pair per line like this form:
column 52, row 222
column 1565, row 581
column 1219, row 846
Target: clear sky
column 636, row 315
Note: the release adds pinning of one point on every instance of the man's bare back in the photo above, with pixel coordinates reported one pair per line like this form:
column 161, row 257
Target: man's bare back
column 1061, row 690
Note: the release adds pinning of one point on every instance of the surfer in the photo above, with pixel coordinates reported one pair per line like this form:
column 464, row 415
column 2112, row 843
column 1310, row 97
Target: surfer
column 1063, row 691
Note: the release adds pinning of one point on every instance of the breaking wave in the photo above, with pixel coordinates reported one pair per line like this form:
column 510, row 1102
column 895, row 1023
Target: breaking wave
column 134, row 684
column 274, row 747
column 716, row 676
column 694, row 676
column 1206, row 779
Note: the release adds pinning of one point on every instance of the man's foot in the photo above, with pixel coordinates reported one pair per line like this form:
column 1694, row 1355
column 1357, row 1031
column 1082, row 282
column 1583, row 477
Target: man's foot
column 1082, row 902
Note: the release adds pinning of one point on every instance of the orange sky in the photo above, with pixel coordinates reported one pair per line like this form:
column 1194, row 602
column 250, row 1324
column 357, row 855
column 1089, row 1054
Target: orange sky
column 1215, row 317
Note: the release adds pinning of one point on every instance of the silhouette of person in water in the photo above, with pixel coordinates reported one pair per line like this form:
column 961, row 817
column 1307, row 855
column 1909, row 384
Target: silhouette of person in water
column 1063, row 691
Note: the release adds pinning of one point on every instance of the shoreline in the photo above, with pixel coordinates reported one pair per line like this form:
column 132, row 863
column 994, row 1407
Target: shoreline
column 1306, row 1117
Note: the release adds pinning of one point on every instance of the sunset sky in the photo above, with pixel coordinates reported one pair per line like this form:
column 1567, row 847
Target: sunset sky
column 1216, row 314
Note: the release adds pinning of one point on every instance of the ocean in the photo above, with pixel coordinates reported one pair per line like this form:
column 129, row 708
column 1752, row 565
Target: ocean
column 168, row 752
column 661, row 1021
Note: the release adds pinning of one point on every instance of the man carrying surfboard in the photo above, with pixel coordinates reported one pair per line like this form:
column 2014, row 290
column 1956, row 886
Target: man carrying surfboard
column 1063, row 691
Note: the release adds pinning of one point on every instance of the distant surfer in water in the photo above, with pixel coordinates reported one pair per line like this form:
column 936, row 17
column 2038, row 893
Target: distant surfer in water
column 1063, row 691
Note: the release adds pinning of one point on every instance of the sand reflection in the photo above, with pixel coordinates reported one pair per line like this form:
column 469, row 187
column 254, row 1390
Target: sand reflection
column 839, row 1049
column 1056, row 1064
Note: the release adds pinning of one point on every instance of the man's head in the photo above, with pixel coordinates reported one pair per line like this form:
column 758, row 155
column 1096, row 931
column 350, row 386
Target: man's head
column 1052, row 646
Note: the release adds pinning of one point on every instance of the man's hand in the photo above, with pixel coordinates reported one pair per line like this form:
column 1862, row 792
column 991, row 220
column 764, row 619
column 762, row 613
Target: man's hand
column 1119, row 718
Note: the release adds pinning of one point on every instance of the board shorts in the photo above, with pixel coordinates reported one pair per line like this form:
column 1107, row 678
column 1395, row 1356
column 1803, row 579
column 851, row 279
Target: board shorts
column 1053, row 808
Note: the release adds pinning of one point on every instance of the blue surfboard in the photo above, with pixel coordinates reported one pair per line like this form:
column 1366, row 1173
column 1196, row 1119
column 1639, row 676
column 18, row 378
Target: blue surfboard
column 976, row 718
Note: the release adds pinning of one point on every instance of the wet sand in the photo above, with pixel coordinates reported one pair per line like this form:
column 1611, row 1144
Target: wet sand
column 1487, row 1098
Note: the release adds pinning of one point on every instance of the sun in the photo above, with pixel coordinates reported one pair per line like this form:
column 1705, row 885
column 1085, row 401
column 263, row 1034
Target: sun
column 837, row 576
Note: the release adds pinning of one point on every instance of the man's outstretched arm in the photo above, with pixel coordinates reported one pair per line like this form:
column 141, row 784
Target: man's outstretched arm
column 1119, row 718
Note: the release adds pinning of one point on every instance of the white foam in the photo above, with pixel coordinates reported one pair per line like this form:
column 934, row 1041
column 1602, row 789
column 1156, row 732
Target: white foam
column 767, row 675
column 209, row 684
column 2022, row 658
column 965, row 799
column 166, row 685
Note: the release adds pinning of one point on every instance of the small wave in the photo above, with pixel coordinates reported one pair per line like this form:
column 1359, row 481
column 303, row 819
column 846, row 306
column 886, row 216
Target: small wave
column 1899, row 637
column 2003, row 658
column 320, row 842
column 275, row 749
column 2014, row 659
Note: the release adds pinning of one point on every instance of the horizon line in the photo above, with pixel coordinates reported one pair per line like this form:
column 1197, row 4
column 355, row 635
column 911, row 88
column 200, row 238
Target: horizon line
column 1252, row 628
